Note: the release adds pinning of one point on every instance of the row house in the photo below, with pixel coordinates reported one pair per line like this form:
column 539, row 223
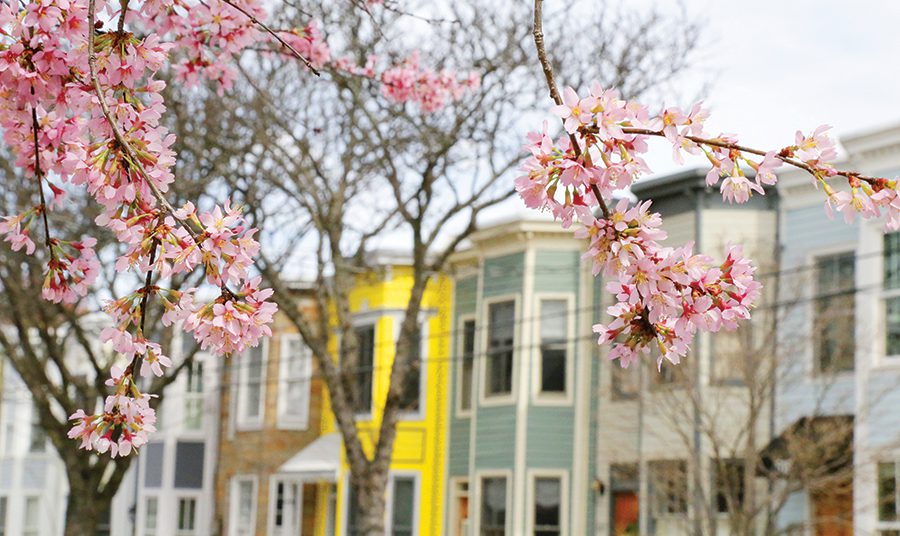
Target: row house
column 520, row 396
column 271, row 411
column 167, row 489
column 841, row 385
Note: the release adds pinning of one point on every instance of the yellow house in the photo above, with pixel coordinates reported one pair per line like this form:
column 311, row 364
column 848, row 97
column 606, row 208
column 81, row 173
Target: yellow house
column 415, row 494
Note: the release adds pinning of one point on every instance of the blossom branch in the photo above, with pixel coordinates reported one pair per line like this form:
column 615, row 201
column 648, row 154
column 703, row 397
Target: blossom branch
column 39, row 175
column 274, row 34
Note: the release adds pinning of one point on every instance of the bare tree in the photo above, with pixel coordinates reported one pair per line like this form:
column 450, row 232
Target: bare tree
column 330, row 169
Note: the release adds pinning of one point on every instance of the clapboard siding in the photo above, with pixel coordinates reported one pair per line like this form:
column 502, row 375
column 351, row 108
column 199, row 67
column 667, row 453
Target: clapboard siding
column 503, row 275
column 496, row 437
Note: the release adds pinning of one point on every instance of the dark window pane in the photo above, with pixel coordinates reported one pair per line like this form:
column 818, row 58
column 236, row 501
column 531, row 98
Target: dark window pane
column 887, row 492
column 668, row 487
column 547, row 507
column 834, row 320
column 403, row 506
column 153, row 464
column 362, row 397
column 493, row 507
column 501, row 337
column 468, row 359
column 554, row 349
column 189, row 465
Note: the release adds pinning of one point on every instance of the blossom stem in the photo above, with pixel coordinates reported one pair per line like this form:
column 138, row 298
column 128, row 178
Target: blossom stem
column 39, row 174
column 274, row 34
column 538, row 34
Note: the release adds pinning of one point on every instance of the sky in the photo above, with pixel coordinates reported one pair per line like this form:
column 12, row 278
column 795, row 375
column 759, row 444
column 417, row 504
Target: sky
column 778, row 66
column 772, row 67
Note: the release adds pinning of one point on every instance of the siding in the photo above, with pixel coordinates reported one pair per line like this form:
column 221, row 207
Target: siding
column 496, row 431
column 465, row 300
column 503, row 275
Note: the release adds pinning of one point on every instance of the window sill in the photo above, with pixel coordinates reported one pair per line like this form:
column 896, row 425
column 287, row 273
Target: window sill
column 497, row 400
column 552, row 399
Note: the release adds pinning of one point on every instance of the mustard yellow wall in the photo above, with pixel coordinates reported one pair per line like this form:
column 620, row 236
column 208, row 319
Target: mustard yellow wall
column 420, row 444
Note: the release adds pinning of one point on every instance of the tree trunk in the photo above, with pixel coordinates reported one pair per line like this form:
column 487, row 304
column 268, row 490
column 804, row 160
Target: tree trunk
column 371, row 500
column 84, row 509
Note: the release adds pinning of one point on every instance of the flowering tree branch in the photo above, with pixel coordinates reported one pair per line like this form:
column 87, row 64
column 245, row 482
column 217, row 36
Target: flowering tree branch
column 664, row 296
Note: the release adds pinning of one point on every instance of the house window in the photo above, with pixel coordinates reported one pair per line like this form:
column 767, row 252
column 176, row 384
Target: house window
column 243, row 507
column 468, row 362
column 362, row 396
column 189, row 457
column 287, row 508
column 501, row 338
column 834, row 315
column 151, row 507
column 892, row 293
column 493, row 506
column 887, row 492
column 3, row 516
column 733, row 355
column 38, row 437
column 554, row 347
column 626, row 382
column 295, row 378
column 193, row 396
column 251, row 390
column 31, row 517
column 729, row 476
column 187, row 514
column 547, row 506
column 412, row 389
column 403, row 506
column 670, row 375
column 668, row 487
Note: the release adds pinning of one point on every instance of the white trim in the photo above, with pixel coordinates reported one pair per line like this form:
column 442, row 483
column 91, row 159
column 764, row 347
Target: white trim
column 243, row 423
column 460, row 343
column 417, row 498
column 274, row 480
column 563, row 476
column 234, row 506
column 293, row 420
column 476, row 505
column 541, row 398
column 453, row 508
column 505, row 399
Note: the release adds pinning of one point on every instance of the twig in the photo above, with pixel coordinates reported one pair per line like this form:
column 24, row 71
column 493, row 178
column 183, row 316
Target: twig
column 538, row 34
column 274, row 34
column 39, row 174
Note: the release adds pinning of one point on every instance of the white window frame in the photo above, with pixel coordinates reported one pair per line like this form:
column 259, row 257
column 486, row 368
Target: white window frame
column 481, row 349
column 417, row 499
column 460, row 342
column 234, row 506
column 811, row 258
column 418, row 414
column 479, row 478
column 274, row 480
column 243, row 371
column 455, row 494
column 540, row 397
column 883, row 359
column 288, row 420
column 197, row 507
column 142, row 515
column 192, row 396
column 35, row 529
column 563, row 476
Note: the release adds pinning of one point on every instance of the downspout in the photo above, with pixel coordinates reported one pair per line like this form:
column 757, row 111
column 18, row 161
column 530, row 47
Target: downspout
column 698, row 401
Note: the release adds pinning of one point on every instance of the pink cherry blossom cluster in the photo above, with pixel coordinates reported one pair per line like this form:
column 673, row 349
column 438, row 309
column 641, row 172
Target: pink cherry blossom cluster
column 124, row 424
column 664, row 295
column 431, row 90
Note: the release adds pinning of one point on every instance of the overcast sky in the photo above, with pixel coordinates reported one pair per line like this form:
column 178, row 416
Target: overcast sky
column 776, row 66
column 779, row 65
